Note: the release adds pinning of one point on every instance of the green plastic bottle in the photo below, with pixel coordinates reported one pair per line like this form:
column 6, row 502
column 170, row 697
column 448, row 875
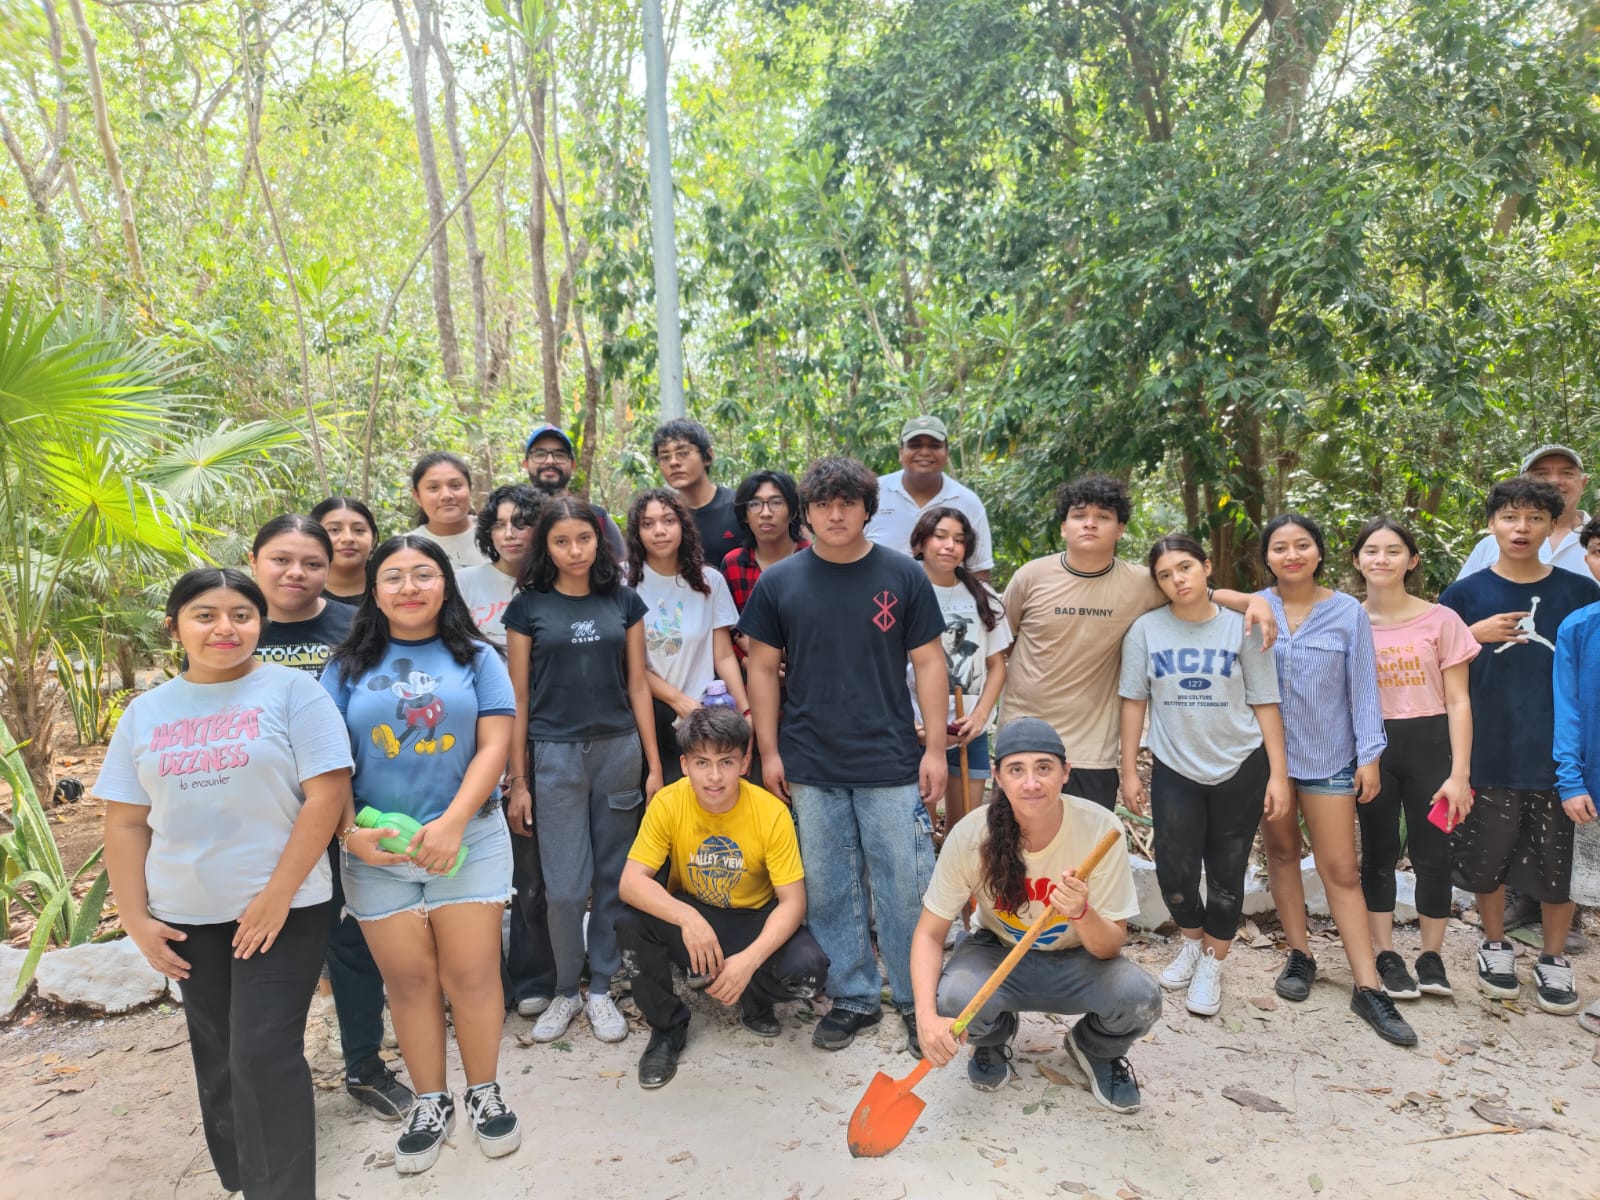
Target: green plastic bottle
column 371, row 818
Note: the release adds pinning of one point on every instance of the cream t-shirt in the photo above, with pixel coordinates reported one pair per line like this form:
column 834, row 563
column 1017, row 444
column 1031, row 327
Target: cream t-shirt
column 1067, row 654
column 958, row 875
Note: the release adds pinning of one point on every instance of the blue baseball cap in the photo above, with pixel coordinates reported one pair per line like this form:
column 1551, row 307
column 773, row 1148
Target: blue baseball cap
column 540, row 430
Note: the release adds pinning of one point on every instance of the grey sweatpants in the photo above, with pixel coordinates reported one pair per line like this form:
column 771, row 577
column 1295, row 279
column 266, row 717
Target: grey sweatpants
column 586, row 806
column 1120, row 1000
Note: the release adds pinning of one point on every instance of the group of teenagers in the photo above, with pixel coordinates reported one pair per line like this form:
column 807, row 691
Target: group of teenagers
column 715, row 740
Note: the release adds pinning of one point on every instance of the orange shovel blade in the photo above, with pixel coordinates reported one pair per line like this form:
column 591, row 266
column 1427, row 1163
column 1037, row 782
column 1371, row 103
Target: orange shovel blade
column 886, row 1114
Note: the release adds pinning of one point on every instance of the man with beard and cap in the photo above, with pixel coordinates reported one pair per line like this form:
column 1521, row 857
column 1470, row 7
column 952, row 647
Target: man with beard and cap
column 548, row 458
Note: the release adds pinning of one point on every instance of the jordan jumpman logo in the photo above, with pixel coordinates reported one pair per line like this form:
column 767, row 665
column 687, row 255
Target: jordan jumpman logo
column 1526, row 632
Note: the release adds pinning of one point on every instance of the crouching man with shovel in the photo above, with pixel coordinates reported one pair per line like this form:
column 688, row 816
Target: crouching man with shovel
column 1014, row 857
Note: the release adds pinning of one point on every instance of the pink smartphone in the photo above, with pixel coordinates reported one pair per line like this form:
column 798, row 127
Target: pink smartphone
column 1439, row 814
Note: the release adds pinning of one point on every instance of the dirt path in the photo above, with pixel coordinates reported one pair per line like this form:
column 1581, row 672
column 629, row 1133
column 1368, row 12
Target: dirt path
column 107, row 1108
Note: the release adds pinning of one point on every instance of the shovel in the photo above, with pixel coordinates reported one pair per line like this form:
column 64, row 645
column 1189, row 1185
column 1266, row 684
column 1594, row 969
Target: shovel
column 890, row 1108
column 957, row 803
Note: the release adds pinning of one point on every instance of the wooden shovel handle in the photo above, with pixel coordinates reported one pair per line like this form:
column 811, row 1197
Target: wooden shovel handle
column 1107, row 840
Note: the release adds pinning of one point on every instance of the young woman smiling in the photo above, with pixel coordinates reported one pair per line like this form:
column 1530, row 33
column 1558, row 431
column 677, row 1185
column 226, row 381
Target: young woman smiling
column 1333, row 734
column 441, row 484
column 427, row 707
column 223, row 789
column 353, row 532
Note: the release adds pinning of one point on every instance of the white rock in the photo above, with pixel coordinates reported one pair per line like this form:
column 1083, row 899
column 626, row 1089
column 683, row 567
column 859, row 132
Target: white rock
column 1152, row 912
column 1257, row 896
column 1405, row 897
column 1316, row 898
column 111, row 976
column 10, row 968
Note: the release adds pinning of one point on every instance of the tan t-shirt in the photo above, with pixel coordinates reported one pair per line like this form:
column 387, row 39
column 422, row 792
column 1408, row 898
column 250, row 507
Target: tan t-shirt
column 1067, row 652
column 958, row 875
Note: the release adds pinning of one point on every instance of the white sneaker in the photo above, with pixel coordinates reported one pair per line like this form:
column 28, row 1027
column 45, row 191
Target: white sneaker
column 608, row 1024
column 553, row 1024
column 1205, row 989
column 532, row 1006
column 1181, row 969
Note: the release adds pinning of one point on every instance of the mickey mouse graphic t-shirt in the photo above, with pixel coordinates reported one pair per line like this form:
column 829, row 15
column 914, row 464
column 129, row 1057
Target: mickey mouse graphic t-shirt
column 413, row 722
column 578, row 676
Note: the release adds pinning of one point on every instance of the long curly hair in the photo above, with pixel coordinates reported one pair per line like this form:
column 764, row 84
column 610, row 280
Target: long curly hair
column 1004, row 872
column 691, row 554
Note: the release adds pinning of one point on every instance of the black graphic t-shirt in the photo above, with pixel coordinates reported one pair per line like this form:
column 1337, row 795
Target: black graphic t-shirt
column 578, row 678
column 1513, row 700
column 305, row 645
column 848, row 629
column 718, row 526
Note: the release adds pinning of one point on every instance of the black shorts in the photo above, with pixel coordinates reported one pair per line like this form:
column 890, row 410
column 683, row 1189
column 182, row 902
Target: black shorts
column 1517, row 837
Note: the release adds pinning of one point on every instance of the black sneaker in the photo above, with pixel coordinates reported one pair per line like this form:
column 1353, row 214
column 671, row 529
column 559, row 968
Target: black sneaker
column 1377, row 1010
column 1521, row 910
column 428, row 1122
column 1397, row 981
column 1497, row 970
column 1554, row 985
column 496, row 1127
column 380, row 1089
column 913, row 1044
column 989, row 1067
column 839, row 1028
column 758, row 1018
column 659, row 1062
column 1294, row 981
column 1431, row 977
column 1110, row 1079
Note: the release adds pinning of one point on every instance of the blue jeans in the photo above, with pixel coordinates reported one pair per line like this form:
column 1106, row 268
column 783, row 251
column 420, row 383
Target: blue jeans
column 887, row 830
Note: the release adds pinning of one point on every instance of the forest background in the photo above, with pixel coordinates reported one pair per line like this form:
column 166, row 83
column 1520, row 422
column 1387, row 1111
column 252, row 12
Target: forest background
column 1333, row 255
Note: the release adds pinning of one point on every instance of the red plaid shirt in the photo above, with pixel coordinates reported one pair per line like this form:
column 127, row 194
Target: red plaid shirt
column 741, row 570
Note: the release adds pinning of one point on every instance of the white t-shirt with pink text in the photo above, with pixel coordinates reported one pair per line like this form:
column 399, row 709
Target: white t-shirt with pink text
column 220, row 767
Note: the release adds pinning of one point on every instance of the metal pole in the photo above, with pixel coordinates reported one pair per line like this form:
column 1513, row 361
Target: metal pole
column 663, row 242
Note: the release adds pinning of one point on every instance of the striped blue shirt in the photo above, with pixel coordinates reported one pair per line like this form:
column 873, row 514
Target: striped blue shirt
column 1328, row 677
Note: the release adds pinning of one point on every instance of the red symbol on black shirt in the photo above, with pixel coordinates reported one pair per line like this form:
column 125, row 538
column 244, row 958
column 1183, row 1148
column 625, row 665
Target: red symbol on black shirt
column 884, row 617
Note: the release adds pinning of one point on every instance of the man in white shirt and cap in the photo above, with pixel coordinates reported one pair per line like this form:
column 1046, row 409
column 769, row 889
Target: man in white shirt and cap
column 921, row 484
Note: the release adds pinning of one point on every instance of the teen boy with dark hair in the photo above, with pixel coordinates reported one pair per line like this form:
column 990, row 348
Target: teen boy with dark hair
column 734, row 899
column 682, row 450
column 1516, row 832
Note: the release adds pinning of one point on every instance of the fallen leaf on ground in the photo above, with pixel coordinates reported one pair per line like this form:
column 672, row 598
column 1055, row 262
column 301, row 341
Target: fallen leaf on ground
column 680, row 1156
column 1559, row 1107
column 1233, row 1024
column 1055, row 1076
column 610, row 1074
column 825, row 1106
column 1315, row 1181
column 1443, row 1059
column 60, row 1133
column 1252, row 1100
column 1073, row 1186
column 1266, row 1003
column 999, row 1162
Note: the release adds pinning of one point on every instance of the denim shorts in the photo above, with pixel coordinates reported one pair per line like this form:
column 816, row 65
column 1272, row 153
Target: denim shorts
column 977, row 757
column 373, row 893
column 1341, row 783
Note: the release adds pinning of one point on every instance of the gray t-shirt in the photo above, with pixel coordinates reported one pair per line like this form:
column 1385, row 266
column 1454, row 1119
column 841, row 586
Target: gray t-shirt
column 1201, row 677
column 220, row 767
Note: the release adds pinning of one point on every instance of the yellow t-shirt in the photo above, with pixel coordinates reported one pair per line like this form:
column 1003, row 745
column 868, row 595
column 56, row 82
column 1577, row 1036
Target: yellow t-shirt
column 958, row 875
column 1067, row 654
column 729, row 860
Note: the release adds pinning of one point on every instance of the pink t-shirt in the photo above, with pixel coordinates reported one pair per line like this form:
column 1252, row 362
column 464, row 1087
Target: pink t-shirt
column 1412, row 657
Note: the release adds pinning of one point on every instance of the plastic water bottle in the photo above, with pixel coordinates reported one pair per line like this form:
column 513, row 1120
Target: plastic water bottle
column 371, row 818
column 716, row 695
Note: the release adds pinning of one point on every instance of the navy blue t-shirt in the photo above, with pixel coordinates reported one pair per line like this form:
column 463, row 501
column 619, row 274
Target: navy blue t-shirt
column 848, row 629
column 1513, row 700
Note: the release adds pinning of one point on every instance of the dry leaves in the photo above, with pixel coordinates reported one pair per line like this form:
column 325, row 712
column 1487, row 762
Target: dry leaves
column 1252, row 1100
column 1265, row 1003
column 1056, row 1077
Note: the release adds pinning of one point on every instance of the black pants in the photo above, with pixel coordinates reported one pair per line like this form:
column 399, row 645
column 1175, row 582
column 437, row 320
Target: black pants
column 797, row 970
column 1413, row 766
column 530, row 963
column 247, row 1028
column 1211, row 824
column 357, row 986
column 667, row 744
column 1099, row 784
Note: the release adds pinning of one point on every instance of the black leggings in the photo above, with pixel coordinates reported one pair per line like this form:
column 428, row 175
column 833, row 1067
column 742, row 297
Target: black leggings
column 1212, row 824
column 1416, row 762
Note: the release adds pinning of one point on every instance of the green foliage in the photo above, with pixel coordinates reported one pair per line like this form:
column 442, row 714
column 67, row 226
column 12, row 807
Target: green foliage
column 33, row 877
column 81, row 674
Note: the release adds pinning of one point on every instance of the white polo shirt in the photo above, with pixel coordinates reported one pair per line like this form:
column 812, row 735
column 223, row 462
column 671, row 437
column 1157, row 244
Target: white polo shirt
column 1568, row 554
column 897, row 516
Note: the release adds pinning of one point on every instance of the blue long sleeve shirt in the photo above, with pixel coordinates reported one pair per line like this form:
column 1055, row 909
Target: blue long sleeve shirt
column 1577, row 699
column 1328, row 677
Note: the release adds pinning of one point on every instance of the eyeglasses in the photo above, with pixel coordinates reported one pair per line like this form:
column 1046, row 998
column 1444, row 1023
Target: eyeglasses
column 675, row 456
column 422, row 578
column 549, row 456
column 771, row 504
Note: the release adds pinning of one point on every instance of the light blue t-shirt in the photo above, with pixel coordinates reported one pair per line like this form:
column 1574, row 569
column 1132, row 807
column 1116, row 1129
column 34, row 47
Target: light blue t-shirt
column 1201, row 677
column 220, row 767
column 413, row 723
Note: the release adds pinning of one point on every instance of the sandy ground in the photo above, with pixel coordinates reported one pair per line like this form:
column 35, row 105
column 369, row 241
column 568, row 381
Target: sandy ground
column 106, row 1108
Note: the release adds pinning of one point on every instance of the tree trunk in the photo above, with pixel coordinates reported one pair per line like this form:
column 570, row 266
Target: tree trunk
column 549, row 358
column 428, row 162
column 108, row 147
